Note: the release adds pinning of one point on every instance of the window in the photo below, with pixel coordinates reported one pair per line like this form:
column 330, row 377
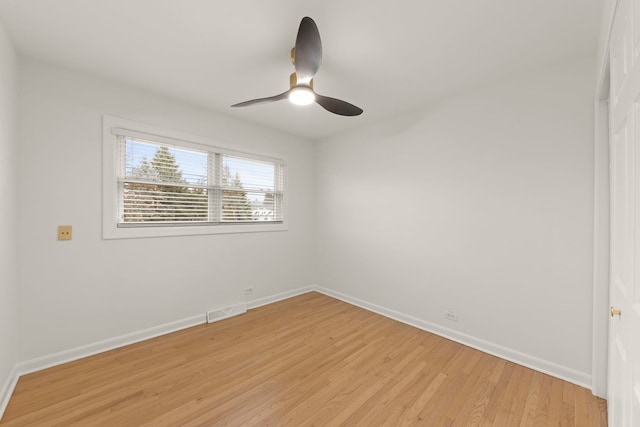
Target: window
column 160, row 183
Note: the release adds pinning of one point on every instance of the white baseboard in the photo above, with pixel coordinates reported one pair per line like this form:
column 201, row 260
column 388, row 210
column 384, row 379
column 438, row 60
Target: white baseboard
column 7, row 389
column 55, row 359
column 65, row 356
column 40, row 363
column 582, row 379
column 70, row 355
column 279, row 297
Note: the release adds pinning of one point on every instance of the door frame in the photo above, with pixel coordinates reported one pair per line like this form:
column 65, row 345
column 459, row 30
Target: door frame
column 601, row 208
column 601, row 247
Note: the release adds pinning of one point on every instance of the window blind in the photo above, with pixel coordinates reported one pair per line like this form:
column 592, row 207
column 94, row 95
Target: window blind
column 167, row 184
column 251, row 190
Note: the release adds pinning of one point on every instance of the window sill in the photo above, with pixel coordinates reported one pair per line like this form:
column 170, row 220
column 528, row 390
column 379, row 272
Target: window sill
column 115, row 232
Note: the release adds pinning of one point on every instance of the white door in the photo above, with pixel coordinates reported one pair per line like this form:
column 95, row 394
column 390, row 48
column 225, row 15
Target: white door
column 624, row 328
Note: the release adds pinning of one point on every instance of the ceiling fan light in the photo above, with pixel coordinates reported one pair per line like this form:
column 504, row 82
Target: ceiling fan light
column 302, row 96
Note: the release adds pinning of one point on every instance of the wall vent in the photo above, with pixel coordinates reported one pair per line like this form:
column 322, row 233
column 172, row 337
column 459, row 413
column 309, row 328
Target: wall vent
column 225, row 312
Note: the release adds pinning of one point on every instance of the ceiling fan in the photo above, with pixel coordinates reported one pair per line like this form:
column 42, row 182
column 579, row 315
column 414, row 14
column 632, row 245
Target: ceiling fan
column 306, row 57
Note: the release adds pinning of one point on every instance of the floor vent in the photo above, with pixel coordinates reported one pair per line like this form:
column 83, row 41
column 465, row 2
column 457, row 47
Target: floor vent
column 225, row 312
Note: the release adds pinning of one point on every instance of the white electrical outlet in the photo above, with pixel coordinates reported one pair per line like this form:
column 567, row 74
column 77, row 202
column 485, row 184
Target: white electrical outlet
column 248, row 291
column 451, row 315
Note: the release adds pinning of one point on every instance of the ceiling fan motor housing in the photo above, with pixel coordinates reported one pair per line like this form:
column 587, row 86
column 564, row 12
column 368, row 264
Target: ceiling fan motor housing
column 293, row 81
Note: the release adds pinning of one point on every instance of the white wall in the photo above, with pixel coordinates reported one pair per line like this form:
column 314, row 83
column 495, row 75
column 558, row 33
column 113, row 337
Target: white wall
column 481, row 205
column 8, row 271
column 78, row 292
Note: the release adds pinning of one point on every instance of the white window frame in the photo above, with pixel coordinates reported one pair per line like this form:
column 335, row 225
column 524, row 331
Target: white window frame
column 110, row 193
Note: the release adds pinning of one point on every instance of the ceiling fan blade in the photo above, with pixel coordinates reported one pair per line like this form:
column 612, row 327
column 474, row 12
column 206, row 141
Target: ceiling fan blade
column 308, row 50
column 338, row 106
column 283, row 95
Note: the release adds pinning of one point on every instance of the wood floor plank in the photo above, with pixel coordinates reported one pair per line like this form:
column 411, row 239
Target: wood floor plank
column 555, row 402
column 308, row 360
column 501, row 387
column 510, row 396
column 470, row 395
column 479, row 399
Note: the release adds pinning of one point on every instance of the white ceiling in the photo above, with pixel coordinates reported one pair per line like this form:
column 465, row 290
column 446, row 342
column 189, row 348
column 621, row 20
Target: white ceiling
column 385, row 57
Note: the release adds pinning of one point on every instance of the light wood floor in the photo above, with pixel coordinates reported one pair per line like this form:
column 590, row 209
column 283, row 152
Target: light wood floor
column 309, row 360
